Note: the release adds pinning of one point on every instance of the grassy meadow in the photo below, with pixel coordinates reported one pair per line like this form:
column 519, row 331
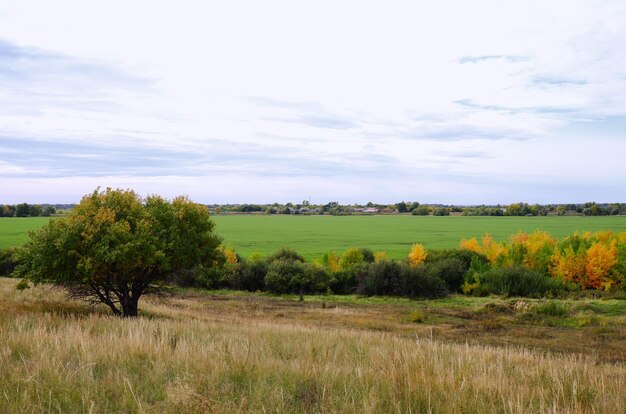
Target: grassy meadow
column 236, row 352
column 312, row 236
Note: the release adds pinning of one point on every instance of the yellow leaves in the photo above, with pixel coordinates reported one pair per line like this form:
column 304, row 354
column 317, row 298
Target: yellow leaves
column 471, row 245
column 380, row 257
column 417, row 255
column 489, row 248
column 229, row 254
column 601, row 257
column 568, row 265
column 331, row 261
column 589, row 267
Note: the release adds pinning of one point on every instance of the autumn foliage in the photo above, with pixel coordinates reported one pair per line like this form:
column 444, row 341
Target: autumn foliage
column 417, row 255
column 587, row 260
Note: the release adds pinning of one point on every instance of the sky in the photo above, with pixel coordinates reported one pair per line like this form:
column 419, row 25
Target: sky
column 452, row 102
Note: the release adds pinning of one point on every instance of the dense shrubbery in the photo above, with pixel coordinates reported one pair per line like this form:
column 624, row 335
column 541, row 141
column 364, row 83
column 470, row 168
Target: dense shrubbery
column 586, row 261
column 532, row 265
column 7, row 261
column 452, row 266
column 513, row 281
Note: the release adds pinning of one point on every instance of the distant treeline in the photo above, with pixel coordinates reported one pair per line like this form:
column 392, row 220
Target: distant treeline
column 336, row 209
column 415, row 208
column 27, row 210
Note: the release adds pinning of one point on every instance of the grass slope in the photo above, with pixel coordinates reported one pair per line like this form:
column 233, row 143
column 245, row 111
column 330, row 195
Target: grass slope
column 312, row 236
column 212, row 353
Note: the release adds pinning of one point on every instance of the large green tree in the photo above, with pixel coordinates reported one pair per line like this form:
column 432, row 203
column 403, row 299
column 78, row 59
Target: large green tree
column 114, row 247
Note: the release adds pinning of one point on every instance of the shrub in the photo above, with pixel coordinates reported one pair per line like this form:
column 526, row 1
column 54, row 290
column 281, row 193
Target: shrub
column 394, row 278
column 250, row 275
column 7, row 261
column 216, row 277
column 382, row 278
column 351, row 257
column 286, row 254
column 453, row 265
column 551, row 309
column 331, row 261
column 513, row 281
column 292, row 276
column 346, row 281
column 451, row 270
column 417, row 281
column 417, row 255
column 368, row 255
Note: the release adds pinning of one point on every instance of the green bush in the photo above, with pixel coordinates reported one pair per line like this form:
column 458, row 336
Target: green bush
column 286, row 254
column 382, row 278
column 351, row 257
column 368, row 255
column 398, row 279
column 217, row 277
column 551, row 309
column 418, row 281
column 7, row 261
column 453, row 265
column 346, row 281
column 513, row 281
column 249, row 275
column 292, row 276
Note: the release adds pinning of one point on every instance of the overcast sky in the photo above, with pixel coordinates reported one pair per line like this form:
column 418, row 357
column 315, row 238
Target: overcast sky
column 261, row 101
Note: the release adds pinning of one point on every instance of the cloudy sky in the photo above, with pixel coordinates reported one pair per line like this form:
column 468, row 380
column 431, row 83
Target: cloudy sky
column 441, row 101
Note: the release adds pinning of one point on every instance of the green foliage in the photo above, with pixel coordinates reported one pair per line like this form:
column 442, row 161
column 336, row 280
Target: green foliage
column 8, row 261
column 421, row 211
column 452, row 265
column 552, row 308
column 115, row 246
column 512, row 281
column 249, row 275
column 352, row 257
column 293, row 276
column 368, row 255
column 399, row 279
column 286, row 254
column 417, row 316
column 451, row 270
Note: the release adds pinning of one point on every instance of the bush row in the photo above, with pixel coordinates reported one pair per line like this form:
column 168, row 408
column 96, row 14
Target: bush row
column 288, row 272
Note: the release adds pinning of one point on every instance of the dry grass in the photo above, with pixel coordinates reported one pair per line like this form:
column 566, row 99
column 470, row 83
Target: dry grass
column 57, row 357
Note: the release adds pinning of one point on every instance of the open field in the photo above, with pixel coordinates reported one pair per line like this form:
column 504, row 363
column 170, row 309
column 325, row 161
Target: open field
column 218, row 352
column 312, row 236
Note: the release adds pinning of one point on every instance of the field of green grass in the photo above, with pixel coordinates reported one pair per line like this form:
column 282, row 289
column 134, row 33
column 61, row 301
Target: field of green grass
column 225, row 352
column 312, row 236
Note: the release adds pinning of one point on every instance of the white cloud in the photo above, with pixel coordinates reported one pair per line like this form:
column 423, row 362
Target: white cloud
column 272, row 98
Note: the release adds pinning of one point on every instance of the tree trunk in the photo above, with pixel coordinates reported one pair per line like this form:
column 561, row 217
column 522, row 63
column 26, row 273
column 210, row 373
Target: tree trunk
column 129, row 307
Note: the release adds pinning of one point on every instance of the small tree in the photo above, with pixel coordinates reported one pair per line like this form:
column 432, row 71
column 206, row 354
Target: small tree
column 114, row 247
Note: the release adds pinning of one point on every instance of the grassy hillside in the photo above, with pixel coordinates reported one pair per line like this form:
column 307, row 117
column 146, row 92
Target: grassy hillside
column 250, row 353
column 313, row 236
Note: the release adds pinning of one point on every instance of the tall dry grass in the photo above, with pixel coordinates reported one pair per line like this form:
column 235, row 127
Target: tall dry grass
column 61, row 358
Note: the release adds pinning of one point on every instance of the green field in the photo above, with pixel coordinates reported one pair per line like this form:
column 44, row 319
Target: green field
column 313, row 236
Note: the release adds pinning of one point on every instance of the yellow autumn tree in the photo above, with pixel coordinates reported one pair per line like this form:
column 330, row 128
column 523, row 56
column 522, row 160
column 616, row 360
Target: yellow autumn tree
column 600, row 258
column 229, row 254
column 472, row 245
column 417, row 255
column 331, row 261
column 380, row 257
column 488, row 247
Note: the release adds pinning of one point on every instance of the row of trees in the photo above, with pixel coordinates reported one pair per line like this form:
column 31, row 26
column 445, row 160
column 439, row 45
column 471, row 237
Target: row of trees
column 415, row 208
column 26, row 210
